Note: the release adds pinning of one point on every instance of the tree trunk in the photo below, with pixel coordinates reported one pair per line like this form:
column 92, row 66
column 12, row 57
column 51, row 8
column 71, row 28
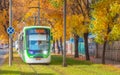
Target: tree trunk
column 86, row 46
column 53, row 48
column 103, row 53
column 58, row 46
column 61, row 46
column 76, row 37
column 96, row 52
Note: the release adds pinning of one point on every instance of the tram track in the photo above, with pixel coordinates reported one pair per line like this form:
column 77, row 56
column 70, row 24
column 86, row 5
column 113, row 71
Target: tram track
column 20, row 68
column 35, row 72
column 52, row 68
column 30, row 65
column 47, row 66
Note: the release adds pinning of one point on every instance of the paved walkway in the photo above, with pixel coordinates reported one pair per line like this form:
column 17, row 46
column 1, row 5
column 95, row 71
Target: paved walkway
column 98, row 60
column 2, row 53
column 108, row 62
column 1, row 60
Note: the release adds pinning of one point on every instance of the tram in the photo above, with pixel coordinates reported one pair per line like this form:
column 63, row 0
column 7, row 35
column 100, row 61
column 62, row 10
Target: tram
column 34, row 44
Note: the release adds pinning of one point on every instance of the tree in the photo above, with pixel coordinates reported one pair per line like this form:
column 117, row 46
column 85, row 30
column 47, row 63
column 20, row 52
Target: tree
column 76, row 9
column 82, row 7
column 77, row 28
column 4, row 21
column 105, row 22
column 19, row 8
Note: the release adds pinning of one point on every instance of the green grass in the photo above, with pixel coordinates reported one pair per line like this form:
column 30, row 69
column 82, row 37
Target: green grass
column 74, row 67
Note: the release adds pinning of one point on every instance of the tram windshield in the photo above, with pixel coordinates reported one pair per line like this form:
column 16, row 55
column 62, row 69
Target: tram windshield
column 38, row 39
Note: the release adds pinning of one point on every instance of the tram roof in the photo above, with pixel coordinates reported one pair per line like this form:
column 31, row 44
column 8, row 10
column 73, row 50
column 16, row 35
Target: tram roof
column 27, row 27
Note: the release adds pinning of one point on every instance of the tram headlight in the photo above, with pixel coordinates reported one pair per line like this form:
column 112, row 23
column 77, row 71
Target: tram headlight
column 31, row 52
column 45, row 52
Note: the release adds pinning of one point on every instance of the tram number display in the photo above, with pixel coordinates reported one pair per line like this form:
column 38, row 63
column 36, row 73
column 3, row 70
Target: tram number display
column 38, row 58
column 40, row 31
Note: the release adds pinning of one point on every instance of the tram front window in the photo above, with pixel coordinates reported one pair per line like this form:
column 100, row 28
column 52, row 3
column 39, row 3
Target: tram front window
column 38, row 43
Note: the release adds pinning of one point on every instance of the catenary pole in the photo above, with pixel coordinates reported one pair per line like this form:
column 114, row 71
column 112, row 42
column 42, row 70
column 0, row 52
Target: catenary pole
column 38, row 12
column 38, row 7
column 64, row 21
column 10, row 36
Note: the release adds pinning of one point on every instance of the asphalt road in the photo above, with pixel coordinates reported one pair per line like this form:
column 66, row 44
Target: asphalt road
column 2, row 53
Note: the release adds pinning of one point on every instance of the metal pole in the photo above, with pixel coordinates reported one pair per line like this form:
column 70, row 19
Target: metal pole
column 38, row 12
column 64, row 50
column 35, row 20
column 10, row 36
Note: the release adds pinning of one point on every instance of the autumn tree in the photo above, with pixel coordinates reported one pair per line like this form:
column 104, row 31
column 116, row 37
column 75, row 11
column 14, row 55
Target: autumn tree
column 57, row 20
column 49, row 15
column 78, row 21
column 4, row 20
column 19, row 9
column 82, row 8
column 77, row 28
column 105, row 22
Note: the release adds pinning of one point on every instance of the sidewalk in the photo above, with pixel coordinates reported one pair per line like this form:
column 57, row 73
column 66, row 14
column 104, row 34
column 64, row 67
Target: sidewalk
column 2, row 56
column 98, row 60
column 1, row 60
column 107, row 62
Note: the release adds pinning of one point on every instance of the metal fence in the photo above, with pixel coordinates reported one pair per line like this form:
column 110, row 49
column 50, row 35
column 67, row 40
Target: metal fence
column 112, row 51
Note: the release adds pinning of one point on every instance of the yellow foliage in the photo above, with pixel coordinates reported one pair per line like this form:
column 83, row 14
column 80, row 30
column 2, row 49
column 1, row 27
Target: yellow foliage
column 76, row 23
column 105, row 21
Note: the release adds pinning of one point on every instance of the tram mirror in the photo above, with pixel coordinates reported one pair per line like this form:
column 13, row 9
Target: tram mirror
column 21, row 38
column 51, row 37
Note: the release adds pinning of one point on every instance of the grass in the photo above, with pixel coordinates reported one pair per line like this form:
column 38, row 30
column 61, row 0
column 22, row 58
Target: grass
column 75, row 67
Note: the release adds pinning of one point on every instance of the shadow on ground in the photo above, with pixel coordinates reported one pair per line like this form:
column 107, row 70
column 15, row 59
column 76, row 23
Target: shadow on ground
column 7, row 72
column 57, row 60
